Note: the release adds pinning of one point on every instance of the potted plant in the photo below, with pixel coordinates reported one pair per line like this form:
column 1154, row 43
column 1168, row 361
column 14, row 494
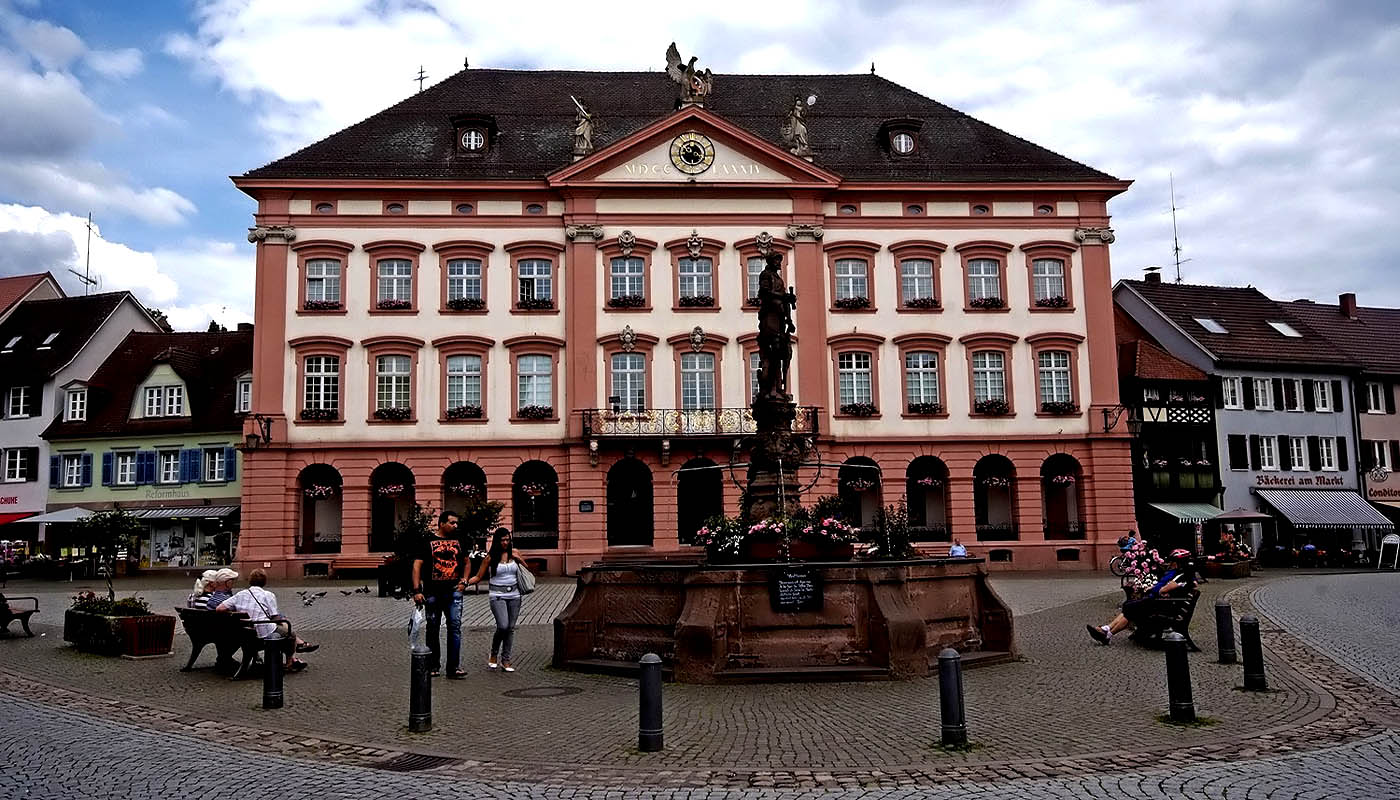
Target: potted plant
column 321, row 305
column 111, row 627
column 534, row 303
column 922, row 302
column 987, row 302
column 852, row 302
column 535, row 412
column 393, row 413
column 627, row 301
column 992, row 407
column 466, row 303
column 319, row 414
column 394, row 305
column 1058, row 301
column 925, row 409
column 859, row 409
column 697, row 301
column 463, row 412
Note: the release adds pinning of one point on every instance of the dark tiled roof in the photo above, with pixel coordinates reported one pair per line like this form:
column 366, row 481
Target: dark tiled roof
column 1144, row 360
column 209, row 364
column 1373, row 338
column 1244, row 312
column 14, row 288
column 74, row 319
column 535, row 121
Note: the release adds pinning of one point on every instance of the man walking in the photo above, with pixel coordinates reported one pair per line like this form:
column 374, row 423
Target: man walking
column 440, row 586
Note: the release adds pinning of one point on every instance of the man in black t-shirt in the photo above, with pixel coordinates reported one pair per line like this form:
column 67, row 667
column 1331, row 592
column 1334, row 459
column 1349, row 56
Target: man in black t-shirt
column 439, row 569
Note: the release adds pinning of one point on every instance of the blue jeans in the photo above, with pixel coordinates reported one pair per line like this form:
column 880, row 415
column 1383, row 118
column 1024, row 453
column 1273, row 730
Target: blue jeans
column 436, row 604
column 506, row 612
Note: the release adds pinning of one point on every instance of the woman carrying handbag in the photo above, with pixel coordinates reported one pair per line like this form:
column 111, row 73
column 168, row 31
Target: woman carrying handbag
column 507, row 580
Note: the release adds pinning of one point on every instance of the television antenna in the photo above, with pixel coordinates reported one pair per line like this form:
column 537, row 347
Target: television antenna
column 1176, row 241
column 422, row 76
column 85, row 277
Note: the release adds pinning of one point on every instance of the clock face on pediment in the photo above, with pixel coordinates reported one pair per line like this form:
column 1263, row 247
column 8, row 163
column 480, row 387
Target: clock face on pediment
column 692, row 153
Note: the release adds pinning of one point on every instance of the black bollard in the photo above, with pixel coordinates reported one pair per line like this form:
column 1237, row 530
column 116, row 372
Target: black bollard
column 272, row 672
column 1253, row 652
column 1183, row 707
column 950, row 698
column 1225, row 631
column 420, row 690
column 649, row 734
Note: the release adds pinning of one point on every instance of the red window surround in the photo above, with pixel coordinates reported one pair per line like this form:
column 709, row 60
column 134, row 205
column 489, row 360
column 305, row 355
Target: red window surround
column 926, row 249
column 641, row 248
column 993, row 341
column 855, row 343
column 462, row 248
column 1057, row 340
column 748, row 248
column 935, row 343
column 714, row 345
column 393, row 249
column 1063, row 251
column 709, row 248
column 985, row 249
column 377, row 346
column 644, row 345
column 550, row 251
column 463, row 345
column 534, row 345
column 306, row 346
column 864, row 251
column 317, row 249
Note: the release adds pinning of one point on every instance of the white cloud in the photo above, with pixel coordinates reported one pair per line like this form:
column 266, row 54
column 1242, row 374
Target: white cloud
column 45, row 114
column 88, row 186
column 53, row 46
column 117, row 64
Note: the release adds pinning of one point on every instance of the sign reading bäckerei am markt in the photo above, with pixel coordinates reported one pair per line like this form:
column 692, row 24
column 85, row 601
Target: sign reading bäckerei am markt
column 1286, row 481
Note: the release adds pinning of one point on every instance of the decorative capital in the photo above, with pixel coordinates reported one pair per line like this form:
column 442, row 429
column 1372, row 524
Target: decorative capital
column 764, row 242
column 801, row 233
column 271, row 234
column 697, row 339
column 694, row 243
column 588, row 233
column 626, row 241
column 1094, row 235
column 627, row 339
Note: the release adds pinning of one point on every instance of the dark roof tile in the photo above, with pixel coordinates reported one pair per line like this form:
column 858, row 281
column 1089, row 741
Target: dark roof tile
column 1370, row 339
column 74, row 319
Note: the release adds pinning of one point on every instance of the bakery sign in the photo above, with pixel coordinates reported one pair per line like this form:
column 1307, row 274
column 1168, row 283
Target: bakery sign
column 1297, row 480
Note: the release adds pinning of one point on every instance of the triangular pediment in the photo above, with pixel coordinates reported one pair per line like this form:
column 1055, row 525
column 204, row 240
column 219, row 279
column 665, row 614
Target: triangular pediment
column 727, row 154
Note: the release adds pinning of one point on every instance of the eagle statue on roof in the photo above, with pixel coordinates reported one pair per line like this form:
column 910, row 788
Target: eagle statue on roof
column 695, row 85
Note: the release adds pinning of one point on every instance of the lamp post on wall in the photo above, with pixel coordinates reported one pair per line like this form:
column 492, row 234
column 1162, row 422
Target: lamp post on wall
column 262, row 436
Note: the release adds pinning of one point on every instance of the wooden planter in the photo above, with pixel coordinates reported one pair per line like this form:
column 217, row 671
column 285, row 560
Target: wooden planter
column 131, row 637
column 1226, row 569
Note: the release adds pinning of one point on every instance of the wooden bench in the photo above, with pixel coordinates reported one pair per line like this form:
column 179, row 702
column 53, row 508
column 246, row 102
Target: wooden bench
column 1167, row 614
column 10, row 613
column 354, row 563
column 229, row 632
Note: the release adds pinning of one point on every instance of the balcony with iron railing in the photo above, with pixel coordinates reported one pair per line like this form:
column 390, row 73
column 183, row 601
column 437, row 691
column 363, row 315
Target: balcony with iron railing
column 678, row 422
column 1001, row 532
column 1063, row 530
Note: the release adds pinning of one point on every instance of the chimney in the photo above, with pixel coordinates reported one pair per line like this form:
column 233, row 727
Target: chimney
column 1347, row 302
column 1153, row 277
column 245, row 326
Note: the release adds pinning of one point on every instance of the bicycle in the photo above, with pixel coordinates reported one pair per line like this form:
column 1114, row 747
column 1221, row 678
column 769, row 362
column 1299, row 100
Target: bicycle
column 1118, row 565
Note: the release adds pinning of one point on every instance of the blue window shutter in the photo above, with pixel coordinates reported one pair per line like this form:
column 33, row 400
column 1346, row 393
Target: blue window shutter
column 145, row 466
column 54, row 466
column 231, row 463
column 107, row 459
column 189, row 466
column 87, row 469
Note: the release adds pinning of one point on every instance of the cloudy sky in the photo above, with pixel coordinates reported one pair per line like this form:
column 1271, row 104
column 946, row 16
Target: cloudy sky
column 1279, row 119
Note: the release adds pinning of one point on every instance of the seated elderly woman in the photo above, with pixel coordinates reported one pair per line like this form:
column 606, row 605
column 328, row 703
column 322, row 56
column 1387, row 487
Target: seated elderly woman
column 199, row 598
column 220, row 587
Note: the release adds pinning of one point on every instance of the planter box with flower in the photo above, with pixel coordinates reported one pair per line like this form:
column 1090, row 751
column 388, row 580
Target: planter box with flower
column 697, row 301
column 796, row 537
column 987, row 302
column 393, row 413
column 1058, row 301
column 627, row 301
column 852, row 302
column 535, row 412
column 1059, row 408
column 1061, row 480
column 321, row 305
column 394, row 305
column 859, row 409
column 391, row 490
column 929, row 482
column 319, row 414
column 466, row 303
column 751, row 302
column 992, row 407
column 463, row 412
column 925, row 409
column 922, row 303
column 534, row 303
column 1218, row 567
column 124, row 627
column 319, row 491
column 1141, row 568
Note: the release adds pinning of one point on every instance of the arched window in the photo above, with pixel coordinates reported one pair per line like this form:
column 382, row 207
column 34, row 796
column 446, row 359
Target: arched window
column 630, row 513
column 1060, row 477
column 535, row 505
column 391, row 500
column 926, row 487
column 464, row 491
column 858, row 486
column 994, row 498
column 320, row 487
column 699, row 496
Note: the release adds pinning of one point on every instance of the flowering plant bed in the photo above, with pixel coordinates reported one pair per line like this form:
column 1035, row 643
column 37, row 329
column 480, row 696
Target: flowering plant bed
column 1058, row 301
column 463, row 412
column 318, row 491
column 859, row 409
column 321, row 305
column 992, row 408
column 466, row 303
column 926, row 409
column 393, row 413
column 627, row 301
column 922, row 302
column 319, row 414
column 798, row 536
column 534, row 303
column 1059, row 407
column 124, row 627
column 535, row 412
column 393, row 305
column 697, row 301
column 987, row 302
column 852, row 302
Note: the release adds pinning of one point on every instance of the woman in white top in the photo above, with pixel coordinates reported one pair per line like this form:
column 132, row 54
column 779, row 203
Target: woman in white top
column 499, row 570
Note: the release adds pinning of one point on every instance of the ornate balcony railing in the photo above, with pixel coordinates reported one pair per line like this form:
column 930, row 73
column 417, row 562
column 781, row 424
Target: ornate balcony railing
column 598, row 422
column 932, row 532
column 996, row 533
column 1063, row 530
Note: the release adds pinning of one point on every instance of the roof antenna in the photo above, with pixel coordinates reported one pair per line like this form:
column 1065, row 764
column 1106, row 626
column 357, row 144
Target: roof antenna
column 1176, row 242
column 85, row 277
column 421, row 77
column 872, row 68
column 467, row 62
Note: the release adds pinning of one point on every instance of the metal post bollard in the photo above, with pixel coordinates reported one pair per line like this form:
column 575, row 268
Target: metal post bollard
column 272, row 673
column 1225, row 631
column 1253, row 652
column 649, row 734
column 1183, row 707
column 950, row 698
column 420, row 690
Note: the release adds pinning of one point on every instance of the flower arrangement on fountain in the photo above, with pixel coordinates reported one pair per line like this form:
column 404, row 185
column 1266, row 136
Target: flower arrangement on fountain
column 391, row 490
column 730, row 538
column 1142, row 567
column 319, row 491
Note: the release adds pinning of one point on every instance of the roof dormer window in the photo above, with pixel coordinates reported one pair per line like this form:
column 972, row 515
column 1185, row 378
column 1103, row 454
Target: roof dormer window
column 1286, row 329
column 473, row 133
column 10, row 345
column 902, row 143
column 900, row 136
column 473, row 139
column 48, row 340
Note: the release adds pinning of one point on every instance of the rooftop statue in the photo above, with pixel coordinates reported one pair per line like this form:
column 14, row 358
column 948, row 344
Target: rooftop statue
column 695, row 85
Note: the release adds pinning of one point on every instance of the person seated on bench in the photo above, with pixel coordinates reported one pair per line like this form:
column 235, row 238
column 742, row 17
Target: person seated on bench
column 199, row 598
column 958, row 550
column 261, row 607
column 220, row 587
column 1178, row 581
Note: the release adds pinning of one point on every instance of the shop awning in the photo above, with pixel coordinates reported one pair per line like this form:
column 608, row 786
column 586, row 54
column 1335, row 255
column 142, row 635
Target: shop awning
column 62, row 515
column 206, row 512
column 1324, row 508
column 1189, row 512
column 15, row 516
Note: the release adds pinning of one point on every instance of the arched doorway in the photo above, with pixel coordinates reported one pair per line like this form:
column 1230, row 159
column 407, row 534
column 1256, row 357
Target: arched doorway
column 858, row 486
column 699, row 496
column 391, row 499
column 320, row 486
column 630, row 517
column 994, row 498
column 926, row 486
column 464, row 491
column 1060, row 477
column 535, row 505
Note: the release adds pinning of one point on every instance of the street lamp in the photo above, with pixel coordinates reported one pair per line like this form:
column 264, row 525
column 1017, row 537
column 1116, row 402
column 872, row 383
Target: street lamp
column 263, row 435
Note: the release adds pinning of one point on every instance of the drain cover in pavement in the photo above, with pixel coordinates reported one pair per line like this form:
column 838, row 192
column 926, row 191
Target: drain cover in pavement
column 412, row 762
column 543, row 691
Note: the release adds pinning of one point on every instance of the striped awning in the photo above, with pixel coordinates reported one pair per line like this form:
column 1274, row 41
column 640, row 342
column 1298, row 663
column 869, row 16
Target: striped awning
column 1324, row 508
column 206, row 512
column 1189, row 512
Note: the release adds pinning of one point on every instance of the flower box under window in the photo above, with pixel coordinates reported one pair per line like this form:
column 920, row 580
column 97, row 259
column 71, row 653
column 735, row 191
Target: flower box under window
column 1059, row 407
column 859, row 409
column 535, row 412
column 922, row 302
column 321, row 305
column 466, row 303
column 534, row 303
column 393, row 413
column 853, row 302
column 394, row 305
column 926, row 409
column 697, row 301
column 319, row 414
column 320, row 491
column 627, row 301
column 752, row 302
column 463, row 412
column 987, row 302
column 1058, row 301
column 992, row 408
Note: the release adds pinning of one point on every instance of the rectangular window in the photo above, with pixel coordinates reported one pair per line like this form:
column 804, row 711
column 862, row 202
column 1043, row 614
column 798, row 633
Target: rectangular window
column 1263, row 394
column 464, row 279
column 535, row 378
column 1293, row 394
column 1048, row 275
column 850, row 279
column 244, row 395
column 536, row 281
column 124, row 469
column 169, row 466
column 1380, row 454
column 755, row 269
column 1298, row 453
column 629, row 374
column 395, row 279
column 323, row 280
column 697, row 381
column 697, row 277
column 1375, row 398
column 75, row 410
column 72, row 470
column 627, row 279
column 1268, row 453
column 174, row 401
column 322, row 383
column 916, row 279
column 988, row 376
column 16, row 466
column 921, row 377
column 155, row 401
column 1232, row 392
column 753, row 373
column 463, row 381
column 1327, row 454
column 1238, row 448
column 19, row 402
column 1054, row 377
column 853, row 378
column 983, row 278
column 1323, row 395
column 215, row 469
column 392, row 381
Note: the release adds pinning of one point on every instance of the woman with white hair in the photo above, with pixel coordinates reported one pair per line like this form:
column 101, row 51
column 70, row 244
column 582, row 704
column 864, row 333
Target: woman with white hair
column 200, row 597
column 221, row 588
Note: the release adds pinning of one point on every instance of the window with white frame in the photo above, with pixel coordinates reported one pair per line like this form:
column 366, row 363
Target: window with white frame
column 988, row 376
column 921, row 377
column 322, row 378
column 1327, row 453
column 464, row 279
column 124, row 469
column 629, row 375
column 755, row 268
column 395, row 279
column 323, row 280
column 16, row 465
column 1232, row 392
column 243, row 392
column 1293, row 399
column 168, row 462
column 1055, row 386
column 392, row 381
column 696, row 277
column 1375, row 398
column 463, row 381
column 983, row 278
column 627, row 279
column 215, row 470
column 1322, row 395
column 916, row 279
column 155, row 401
column 851, row 279
column 1380, row 454
column 697, row 381
column 534, row 376
column 72, row 470
column 1048, row 277
column 1298, row 453
column 75, row 407
column 174, row 401
column 754, row 362
column 1263, row 394
column 1268, row 453
column 854, row 383
column 20, row 401
column 536, row 279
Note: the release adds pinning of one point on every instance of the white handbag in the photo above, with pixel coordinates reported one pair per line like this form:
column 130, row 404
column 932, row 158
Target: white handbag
column 524, row 579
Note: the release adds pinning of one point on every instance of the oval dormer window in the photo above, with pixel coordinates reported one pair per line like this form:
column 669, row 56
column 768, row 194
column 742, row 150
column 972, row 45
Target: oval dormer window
column 981, row 210
column 534, row 208
column 1045, row 211
column 473, row 140
column 465, row 208
column 914, row 210
column 394, row 208
column 325, row 208
column 902, row 142
column 848, row 210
